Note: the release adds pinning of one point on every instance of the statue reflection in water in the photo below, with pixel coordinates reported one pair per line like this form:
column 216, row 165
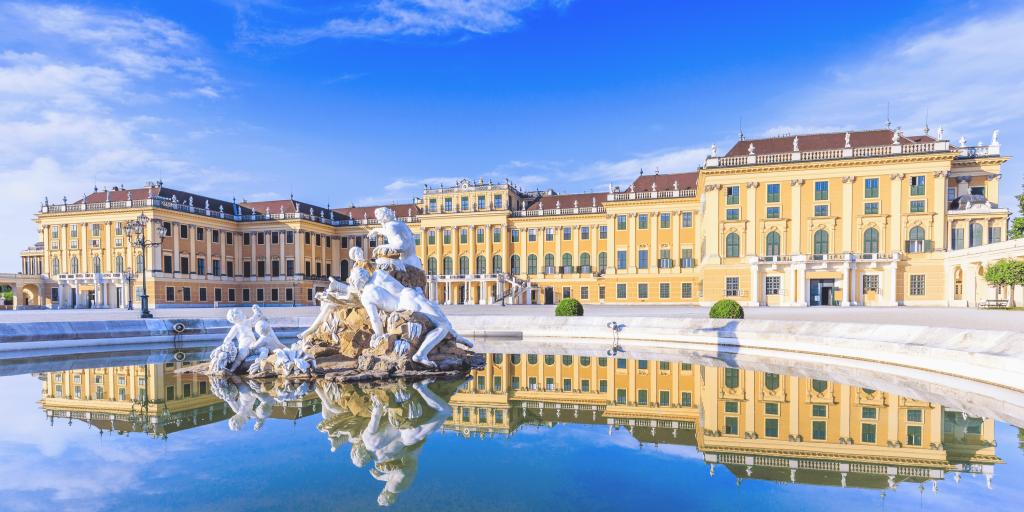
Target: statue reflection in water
column 254, row 399
column 386, row 424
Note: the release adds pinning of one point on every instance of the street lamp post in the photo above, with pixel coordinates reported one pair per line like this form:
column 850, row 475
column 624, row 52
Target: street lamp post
column 137, row 235
column 130, row 276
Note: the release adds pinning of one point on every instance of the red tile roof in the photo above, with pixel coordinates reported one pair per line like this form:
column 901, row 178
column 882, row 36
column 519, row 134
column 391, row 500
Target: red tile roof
column 683, row 180
column 567, row 200
column 287, row 206
column 121, row 194
column 821, row 141
column 361, row 212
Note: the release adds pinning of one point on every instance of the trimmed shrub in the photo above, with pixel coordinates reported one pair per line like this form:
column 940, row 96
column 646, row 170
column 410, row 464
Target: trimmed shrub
column 726, row 308
column 569, row 307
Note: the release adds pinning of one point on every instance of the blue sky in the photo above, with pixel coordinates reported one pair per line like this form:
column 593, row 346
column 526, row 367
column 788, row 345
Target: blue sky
column 364, row 102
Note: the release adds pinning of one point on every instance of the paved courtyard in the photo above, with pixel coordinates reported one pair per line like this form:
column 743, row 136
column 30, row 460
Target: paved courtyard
column 937, row 317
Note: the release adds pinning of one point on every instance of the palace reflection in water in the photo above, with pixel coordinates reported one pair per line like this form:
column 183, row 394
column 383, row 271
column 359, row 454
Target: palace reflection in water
column 754, row 424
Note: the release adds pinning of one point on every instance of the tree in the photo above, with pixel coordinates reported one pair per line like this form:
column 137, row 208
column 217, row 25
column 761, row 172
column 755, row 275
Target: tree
column 1017, row 226
column 1006, row 273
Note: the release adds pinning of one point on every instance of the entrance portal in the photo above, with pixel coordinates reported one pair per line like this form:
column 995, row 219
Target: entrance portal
column 823, row 292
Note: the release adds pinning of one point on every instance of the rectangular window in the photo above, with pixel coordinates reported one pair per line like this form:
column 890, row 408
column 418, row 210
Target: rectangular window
column 664, row 290
column 819, row 411
column 869, row 413
column 732, row 214
column 566, row 384
column 917, row 206
column 183, row 231
column 773, row 212
column 261, row 238
column 641, row 260
column 446, row 236
column 732, row 425
column 995, row 235
column 773, row 192
column 871, row 283
column 641, row 397
column 687, row 399
column 732, row 195
column 217, row 294
column 957, row 241
column 867, row 433
column 585, row 385
column 566, row 233
column 687, row 290
column 620, row 291
column 514, row 235
column 620, row 259
column 818, row 430
column 496, row 235
column 771, row 427
column 216, row 236
column 620, row 222
column 687, row 219
column 917, row 185
column 202, row 295
column 732, row 287
column 914, row 435
column 200, row 232
column 771, row 408
column 584, row 233
column 641, row 290
column 871, row 188
column 447, row 204
column 170, row 294
column 663, row 399
column 821, row 210
column 915, row 415
column 733, row 407
column 481, row 202
column 620, row 396
column 600, row 293
column 665, row 220
column 820, row 190
column 870, row 208
column 186, row 294
column 497, row 202
column 464, row 203
column 917, row 284
column 463, row 236
column 772, row 285
column 641, row 221
column 602, row 232
column 549, row 234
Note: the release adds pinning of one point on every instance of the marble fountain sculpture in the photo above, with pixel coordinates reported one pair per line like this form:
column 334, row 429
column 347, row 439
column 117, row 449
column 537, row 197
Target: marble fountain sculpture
column 377, row 324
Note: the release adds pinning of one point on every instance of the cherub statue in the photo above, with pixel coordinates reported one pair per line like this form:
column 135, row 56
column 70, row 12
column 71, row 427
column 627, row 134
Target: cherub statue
column 265, row 344
column 240, row 335
column 381, row 293
column 400, row 240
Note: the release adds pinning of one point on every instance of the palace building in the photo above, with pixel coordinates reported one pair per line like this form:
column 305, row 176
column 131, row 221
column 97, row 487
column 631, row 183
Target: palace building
column 874, row 217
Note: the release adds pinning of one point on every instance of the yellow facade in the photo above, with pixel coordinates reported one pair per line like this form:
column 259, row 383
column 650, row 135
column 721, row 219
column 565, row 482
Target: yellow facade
column 758, row 424
column 867, row 222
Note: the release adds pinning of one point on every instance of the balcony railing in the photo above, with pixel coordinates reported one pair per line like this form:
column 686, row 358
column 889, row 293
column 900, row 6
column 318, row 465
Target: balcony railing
column 558, row 211
column 685, row 262
column 827, row 154
column 664, row 263
column 651, row 194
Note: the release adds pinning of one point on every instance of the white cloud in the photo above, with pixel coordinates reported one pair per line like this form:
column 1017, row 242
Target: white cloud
column 66, row 120
column 386, row 18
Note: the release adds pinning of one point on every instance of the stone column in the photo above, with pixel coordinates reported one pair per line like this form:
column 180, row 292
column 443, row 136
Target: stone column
column 847, row 291
column 940, row 208
column 970, row 291
column 631, row 221
column 654, row 254
column 750, row 214
column 847, row 240
column 612, row 249
column 795, row 235
column 755, row 283
column 711, row 230
column 896, row 204
column 893, row 290
column 176, row 240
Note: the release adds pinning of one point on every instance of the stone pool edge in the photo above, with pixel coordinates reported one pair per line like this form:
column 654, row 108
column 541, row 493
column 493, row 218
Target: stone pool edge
column 995, row 357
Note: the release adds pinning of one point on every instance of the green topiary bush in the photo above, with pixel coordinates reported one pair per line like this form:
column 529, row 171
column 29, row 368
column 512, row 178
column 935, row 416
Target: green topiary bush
column 726, row 308
column 569, row 307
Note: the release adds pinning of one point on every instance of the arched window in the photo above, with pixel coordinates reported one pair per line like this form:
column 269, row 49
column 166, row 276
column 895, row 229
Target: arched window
column 549, row 262
column 772, row 244
column 602, row 261
column 497, row 358
column 531, row 264
column 567, row 262
column 431, row 265
column 732, row 378
column 819, row 386
column 138, row 263
column 916, row 242
column 585, row 262
column 870, row 241
column 515, row 264
column 515, row 358
column 463, row 265
column 549, row 360
column 771, row 381
column 481, row 264
column 975, row 234
column 917, row 232
column 96, row 265
column 446, row 266
column 531, row 358
column 732, row 245
column 496, row 264
column 821, row 242
column 74, row 264
column 56, row 266
column 119, row 264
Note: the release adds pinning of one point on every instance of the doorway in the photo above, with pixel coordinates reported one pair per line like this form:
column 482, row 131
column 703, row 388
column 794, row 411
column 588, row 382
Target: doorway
column 823, row 292
column 549, row 295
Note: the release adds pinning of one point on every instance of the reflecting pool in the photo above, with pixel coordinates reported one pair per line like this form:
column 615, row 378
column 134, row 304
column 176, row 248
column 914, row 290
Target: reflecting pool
column 529, row 431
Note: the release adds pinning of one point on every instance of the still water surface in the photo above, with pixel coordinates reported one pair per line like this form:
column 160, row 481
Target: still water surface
column 527, row 432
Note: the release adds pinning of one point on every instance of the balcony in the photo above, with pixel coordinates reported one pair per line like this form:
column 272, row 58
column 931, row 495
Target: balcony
column 567, row 269
column 549, row 270
column 664, row 263
column 685, row 262
column 916, row 246
column 775, row 258
column 585, row 269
